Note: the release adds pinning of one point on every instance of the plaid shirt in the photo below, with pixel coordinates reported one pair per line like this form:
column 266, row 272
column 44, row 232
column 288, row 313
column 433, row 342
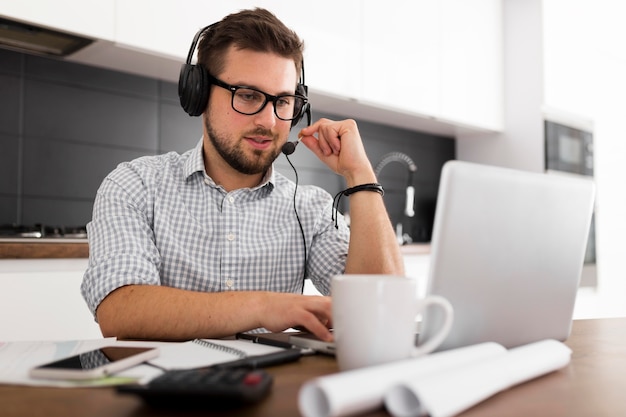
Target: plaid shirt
column 161, row 220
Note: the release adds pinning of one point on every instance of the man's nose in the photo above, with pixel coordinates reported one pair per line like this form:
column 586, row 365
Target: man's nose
column 267, row 116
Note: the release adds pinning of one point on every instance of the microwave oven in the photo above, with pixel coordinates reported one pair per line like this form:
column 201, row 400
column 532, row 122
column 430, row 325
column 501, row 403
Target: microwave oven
column 568, row 144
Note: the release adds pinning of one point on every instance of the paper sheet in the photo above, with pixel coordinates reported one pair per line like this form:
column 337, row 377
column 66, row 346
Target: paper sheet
column 360, row 390
column 447, row 393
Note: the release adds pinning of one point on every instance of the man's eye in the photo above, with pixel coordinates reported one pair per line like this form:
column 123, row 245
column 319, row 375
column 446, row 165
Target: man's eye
column 249, row 95
column 283, row 101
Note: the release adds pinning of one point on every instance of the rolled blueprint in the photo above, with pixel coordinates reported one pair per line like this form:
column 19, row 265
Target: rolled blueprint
column 360, row 390
column 444, row 394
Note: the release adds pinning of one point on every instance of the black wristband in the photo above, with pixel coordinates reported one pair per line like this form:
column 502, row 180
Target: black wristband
column 374, row 186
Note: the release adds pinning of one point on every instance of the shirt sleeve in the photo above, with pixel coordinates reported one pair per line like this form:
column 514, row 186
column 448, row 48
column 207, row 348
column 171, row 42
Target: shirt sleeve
column 329, row 249
column 122, row 247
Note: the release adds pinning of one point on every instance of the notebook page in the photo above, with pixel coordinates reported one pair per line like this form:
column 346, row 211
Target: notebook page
column 206, row 352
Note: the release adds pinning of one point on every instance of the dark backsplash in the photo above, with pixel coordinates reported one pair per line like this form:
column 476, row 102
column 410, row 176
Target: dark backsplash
column 64, row 126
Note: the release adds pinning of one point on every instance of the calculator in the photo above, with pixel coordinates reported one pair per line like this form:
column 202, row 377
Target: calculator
column 205, row 387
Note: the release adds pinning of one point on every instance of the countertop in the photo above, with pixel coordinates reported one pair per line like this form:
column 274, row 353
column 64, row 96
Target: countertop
column 24, row 248
column 43, row 248
column 415, row 249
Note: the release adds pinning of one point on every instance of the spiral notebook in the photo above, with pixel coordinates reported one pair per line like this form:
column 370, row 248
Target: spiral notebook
column 206, row 352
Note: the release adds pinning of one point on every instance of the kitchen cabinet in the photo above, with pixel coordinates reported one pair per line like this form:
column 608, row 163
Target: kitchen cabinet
column 472, row 63
column 416, row 260
column 401, row 56
column 440, row 59
column 165, row 27
column 424, row 65
column 417, row 265
column 332, row 38
column 425, row 58
column 40, row 299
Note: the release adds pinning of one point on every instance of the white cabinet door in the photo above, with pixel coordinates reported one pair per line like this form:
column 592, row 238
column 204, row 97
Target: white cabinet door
column 92, row 18
column 416, row 266
column 471, row 63
column 435, row 58
column 331, row 31
column 166, row 27
column 40, row 299
column 400, row 58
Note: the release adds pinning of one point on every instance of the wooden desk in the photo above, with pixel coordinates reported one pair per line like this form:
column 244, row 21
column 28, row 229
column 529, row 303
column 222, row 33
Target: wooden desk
column 592, row 385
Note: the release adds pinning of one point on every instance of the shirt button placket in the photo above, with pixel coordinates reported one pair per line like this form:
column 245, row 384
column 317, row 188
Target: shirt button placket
column 230, row 266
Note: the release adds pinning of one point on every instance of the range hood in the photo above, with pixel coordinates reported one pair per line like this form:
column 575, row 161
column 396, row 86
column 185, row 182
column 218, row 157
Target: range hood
column 35, row 39
column 23, row 37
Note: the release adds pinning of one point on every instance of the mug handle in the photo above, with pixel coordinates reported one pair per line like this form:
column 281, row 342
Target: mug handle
column 434, row 342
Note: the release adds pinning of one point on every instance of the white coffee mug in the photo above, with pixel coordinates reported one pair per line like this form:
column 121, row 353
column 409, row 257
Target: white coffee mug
column 374, row 319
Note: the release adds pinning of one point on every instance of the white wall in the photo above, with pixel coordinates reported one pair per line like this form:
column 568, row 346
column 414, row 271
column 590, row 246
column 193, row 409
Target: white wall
column 585, row 67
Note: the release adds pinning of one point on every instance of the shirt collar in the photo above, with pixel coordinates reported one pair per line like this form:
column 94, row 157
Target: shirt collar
column 195, row 163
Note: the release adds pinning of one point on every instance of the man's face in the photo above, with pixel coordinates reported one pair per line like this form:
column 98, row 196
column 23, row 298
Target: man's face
column 249, row 143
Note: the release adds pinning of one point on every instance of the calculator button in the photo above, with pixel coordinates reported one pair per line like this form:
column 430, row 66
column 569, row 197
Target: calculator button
column 253, row 378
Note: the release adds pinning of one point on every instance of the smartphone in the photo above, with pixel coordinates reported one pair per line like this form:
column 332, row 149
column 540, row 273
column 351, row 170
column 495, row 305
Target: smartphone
column 95, row 364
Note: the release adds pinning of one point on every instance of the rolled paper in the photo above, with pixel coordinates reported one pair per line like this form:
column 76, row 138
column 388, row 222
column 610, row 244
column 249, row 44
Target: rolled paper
column 444, row 394
column 360, row 390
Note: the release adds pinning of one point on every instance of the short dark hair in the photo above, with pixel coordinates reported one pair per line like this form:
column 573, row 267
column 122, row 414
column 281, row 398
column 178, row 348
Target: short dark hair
column 257, row 30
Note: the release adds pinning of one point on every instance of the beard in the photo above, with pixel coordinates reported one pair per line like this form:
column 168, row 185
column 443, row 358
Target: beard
column 231, row 151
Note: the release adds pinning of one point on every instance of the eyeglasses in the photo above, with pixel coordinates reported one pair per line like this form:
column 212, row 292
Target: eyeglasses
column 249, row 101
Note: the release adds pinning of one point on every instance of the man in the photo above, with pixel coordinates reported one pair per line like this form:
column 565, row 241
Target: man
column 207, row 244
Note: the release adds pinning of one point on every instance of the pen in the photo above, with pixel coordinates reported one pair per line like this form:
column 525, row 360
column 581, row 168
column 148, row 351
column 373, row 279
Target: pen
column 264, row 340
column 261, row 361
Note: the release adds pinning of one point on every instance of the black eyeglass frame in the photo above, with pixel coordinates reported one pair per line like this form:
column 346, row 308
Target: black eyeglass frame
column 268, row 97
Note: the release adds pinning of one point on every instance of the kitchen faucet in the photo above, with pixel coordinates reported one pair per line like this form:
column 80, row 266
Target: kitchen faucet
column 409, row 210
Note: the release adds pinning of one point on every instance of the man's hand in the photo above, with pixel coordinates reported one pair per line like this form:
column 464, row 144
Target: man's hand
column 283, row 311
column 338, row 144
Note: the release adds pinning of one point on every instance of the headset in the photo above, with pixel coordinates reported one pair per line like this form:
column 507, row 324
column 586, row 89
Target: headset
column 194, row 86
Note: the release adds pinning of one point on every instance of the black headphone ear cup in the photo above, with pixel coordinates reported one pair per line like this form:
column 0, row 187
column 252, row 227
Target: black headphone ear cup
column 306, row 109
column 302, row 90
column 183, row 89
column 297, row 119
column 193, row 89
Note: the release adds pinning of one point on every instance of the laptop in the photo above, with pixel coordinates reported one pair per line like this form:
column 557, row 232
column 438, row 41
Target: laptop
column 507, row 251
